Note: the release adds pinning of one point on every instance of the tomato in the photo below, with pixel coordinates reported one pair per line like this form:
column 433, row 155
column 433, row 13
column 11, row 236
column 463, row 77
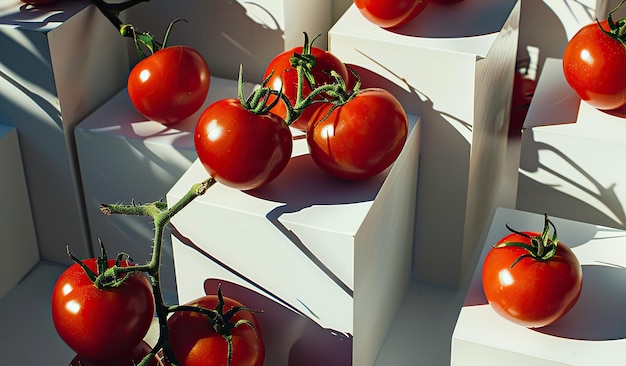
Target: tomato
column 169, row 85
column 532, row 291
column 194, row 342
column 101, row 324
column 284, row 76
column 132, row 359
column 360, row 138
column 240, row 148
column 594, row 64
column 390, row 13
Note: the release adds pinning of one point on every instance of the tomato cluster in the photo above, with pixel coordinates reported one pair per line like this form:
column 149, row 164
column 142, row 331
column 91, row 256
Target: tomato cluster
column 352, row 133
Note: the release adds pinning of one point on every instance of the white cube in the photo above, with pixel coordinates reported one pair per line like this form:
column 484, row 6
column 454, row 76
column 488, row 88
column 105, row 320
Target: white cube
column 59, row 63
column 591, row 333
column 19, row 243
column 570, row 153
column 456, row 73
column 335, row 255
column 230, row 33
column 123, row 156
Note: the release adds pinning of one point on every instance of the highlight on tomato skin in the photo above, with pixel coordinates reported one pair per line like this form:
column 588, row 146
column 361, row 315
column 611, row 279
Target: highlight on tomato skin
column 528, row 285
column 390, row 13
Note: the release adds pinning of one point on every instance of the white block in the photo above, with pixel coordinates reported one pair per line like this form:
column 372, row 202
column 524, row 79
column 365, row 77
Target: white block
column 19, row 243
column 456, row 73
column 230, row 33
column 336, row 253
column 570, row 156
column 591, row 333
column 58, row 64
column 123, row 156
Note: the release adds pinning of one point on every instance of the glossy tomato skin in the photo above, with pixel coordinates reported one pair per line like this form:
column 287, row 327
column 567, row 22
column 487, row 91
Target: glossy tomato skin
column 132, row 359
column 195, row 343
column 360, row 138
column 239, row 148
column 533, row 293
column 390, row 13
column 169, row 85
column 593, row 65
column 101, row 324
column 285, row 78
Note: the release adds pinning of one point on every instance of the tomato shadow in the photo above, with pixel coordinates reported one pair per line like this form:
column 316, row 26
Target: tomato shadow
column 290, row 339
column 609, row 213
column 469, row 19
column 598, row 315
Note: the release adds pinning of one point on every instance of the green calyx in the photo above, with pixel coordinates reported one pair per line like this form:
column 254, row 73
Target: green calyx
column 257, row 101
column 617, row 29
column 104, row 277
column 541, row 248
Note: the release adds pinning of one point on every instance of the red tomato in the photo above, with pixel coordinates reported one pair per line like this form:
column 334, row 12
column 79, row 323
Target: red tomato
column 132, row 359
column 594, row 64
column 101, row 324
column 285, row 78
column 169, row 85
column 239, row 148
column 531, row 292
column 360, row 138
column 194, row 342
column 390, row 13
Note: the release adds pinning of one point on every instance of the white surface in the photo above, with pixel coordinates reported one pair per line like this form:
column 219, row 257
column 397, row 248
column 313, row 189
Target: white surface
column 559, row 176
column 123, row 156
column 307, row 234
column 458, row 79
column 59, row 63
column 19, row 243
column 592, row 333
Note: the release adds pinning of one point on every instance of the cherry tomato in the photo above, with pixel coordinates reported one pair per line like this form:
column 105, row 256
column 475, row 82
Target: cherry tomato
column 169, row 85
column 390, row 13
column 194, row 342
column 285, row 77
column 239, row 148
column 527, row 290
column 132, row 359
column 594, row 64
column 360, row 138
column 101, row 324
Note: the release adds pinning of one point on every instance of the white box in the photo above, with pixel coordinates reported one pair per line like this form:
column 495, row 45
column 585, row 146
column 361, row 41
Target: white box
column 457, row 74
column 569, row 164
column 591, row 333
column 19, row 243
column 337, row 253
column 123, row 156
column 59, row 63
column 230, row 33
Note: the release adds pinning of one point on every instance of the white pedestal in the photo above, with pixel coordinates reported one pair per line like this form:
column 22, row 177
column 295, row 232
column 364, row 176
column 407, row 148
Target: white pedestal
column 592, row 333
column 325, row 253
column 19, row 243
column 123, row 156
column 457, row 74
column 230, row 33
column 570, row 156
column 59, row 63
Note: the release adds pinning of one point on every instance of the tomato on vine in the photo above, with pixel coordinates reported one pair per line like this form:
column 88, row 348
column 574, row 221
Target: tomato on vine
column 531, row 278
column 240, row 143
column 390, row 13
column 106, row 321
column 316, row 66
column 226, row 333
column 169, row 85
column 359, row 136
column 594, row 61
